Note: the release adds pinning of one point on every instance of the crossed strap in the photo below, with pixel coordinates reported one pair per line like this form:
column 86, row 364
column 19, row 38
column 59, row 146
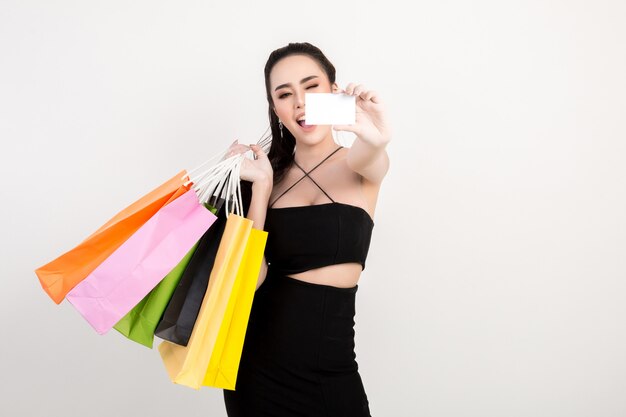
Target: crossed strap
column 306, row 174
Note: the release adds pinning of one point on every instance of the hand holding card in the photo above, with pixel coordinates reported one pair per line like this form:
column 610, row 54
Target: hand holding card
column 329, row 109
column 371, row 124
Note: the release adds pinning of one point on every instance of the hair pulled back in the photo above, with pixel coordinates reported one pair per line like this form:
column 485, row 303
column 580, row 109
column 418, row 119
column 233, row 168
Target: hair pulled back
column 282, row 149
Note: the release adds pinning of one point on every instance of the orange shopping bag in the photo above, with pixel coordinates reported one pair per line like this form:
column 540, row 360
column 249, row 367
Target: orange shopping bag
column 62, row 274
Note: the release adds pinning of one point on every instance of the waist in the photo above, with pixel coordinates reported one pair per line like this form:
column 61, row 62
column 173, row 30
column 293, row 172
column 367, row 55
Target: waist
column 343, row 275
column 297, row 323
column 325, row 282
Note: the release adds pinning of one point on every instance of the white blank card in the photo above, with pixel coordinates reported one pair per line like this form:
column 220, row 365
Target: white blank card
column 329, row 109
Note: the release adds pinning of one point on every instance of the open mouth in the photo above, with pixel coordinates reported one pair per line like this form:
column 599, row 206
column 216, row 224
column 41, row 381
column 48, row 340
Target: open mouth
column 302, row 123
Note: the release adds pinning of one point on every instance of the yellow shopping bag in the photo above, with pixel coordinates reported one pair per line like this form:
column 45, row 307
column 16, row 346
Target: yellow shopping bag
column 187, row 365
column 224, row 363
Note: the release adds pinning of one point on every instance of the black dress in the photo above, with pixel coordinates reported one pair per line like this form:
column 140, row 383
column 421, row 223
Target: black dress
column 298, row 356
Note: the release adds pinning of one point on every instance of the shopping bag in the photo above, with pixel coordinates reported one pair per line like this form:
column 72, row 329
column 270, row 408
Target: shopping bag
column 224, row 362
column 140, row 263
column 139, row 324
column 59, row 276
column 187, row 365
column 182, row 311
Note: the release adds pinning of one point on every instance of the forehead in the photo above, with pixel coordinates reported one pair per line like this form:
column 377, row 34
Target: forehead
column 293, row 68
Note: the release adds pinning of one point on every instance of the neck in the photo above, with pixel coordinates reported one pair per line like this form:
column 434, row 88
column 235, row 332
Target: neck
column 308, row 155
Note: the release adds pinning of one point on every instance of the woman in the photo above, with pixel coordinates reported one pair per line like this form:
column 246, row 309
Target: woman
column 316, row 200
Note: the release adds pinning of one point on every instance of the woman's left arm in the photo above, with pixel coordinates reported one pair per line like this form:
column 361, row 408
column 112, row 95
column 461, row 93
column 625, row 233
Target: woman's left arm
column 367, row 155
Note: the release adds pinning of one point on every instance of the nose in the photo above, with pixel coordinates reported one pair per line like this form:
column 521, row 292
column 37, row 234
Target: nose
column 299, row 100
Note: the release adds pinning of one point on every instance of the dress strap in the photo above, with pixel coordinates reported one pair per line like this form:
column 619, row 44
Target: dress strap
column 306, row 174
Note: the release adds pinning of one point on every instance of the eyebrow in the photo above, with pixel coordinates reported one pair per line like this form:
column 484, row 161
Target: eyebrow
column 302, row 81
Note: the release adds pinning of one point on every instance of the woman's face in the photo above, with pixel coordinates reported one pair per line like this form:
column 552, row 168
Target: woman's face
column 290, row 79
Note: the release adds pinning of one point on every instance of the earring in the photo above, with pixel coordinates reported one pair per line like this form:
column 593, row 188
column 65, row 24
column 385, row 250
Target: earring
column 280, row 125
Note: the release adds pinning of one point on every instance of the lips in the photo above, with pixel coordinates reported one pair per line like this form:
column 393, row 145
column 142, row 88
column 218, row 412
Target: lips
column 302, row 123
column 305, row 127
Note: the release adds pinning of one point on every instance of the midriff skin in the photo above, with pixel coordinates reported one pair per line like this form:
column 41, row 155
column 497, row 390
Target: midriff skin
column 341, row 275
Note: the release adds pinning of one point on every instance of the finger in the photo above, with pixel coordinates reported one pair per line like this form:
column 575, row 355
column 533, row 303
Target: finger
column 258, row 151
column 237, row 149
column 365, row 95
column 346, row 128
column 350, row 88
column 374, row 97
column 254, row 151
column 234, row 145
column 359, row 89
column 241, row 148
column 368, row 95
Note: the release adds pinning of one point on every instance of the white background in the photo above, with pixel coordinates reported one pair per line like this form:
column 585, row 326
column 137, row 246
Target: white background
column 495, row 279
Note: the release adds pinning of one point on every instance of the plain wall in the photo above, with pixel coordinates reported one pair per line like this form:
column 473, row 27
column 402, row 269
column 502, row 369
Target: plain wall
column 495, row 278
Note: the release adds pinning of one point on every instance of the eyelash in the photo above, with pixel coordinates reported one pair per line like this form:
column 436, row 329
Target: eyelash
column 284, row 94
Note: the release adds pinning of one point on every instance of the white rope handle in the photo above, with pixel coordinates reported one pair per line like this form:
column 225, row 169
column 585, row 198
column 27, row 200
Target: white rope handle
column 207, row 174
column 219, row 189
column 221, row 179
column 233, row 189
column 221, row 154
column 207, row 182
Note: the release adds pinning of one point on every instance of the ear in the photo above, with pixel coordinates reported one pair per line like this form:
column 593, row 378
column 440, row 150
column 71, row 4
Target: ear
column 335, row 88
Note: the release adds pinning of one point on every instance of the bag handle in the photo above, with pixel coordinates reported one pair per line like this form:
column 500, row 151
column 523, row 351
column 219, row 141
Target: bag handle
column 221, row 179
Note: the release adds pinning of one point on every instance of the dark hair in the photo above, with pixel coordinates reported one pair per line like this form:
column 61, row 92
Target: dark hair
column 282, row 149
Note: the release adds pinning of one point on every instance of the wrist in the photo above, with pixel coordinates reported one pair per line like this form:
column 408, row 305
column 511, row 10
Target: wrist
column 262, row 187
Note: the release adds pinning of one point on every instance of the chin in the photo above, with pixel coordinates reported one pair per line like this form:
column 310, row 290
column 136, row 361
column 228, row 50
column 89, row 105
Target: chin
column 313, row 138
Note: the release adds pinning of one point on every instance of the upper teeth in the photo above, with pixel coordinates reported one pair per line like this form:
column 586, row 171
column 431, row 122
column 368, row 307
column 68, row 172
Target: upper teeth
column 300, row 119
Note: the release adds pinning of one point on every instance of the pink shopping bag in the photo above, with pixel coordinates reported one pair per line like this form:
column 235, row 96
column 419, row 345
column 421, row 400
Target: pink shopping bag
column 139, row 264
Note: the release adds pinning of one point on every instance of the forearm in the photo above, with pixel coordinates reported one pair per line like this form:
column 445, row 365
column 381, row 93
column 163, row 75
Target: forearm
column 256, row 212
column 258, row 204
column 369, row 160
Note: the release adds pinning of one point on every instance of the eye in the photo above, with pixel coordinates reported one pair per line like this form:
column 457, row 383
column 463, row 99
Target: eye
column 283, row 95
